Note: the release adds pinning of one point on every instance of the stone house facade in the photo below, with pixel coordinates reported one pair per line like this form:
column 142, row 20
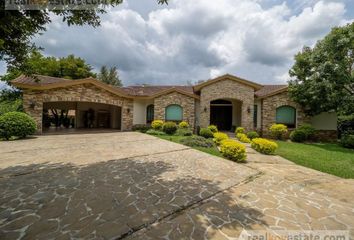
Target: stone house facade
column 226, row 101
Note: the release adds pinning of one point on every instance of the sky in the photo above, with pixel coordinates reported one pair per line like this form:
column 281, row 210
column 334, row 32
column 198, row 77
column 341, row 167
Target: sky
column 188, row 41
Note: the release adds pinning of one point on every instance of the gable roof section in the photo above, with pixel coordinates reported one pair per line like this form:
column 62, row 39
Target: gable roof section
column 270, row 90
column 155, row 91
column 254, row 85
column 47, row 83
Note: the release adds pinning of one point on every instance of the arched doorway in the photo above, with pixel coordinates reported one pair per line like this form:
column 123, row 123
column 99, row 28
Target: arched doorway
column 221, row 114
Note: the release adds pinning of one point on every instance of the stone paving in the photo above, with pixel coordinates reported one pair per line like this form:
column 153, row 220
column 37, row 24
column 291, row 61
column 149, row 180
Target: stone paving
column 134, row 186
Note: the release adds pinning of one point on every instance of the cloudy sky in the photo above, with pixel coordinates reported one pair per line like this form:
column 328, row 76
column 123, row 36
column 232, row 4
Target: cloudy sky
column 200, row 39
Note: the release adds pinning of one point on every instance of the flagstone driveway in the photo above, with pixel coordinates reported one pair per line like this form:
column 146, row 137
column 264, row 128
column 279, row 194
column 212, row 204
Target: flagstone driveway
column 131, row 185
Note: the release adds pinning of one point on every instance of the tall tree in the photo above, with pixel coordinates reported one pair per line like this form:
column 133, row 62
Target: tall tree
column 18, row 27
column 69, row 67
column 323, row 76
column 110, row 76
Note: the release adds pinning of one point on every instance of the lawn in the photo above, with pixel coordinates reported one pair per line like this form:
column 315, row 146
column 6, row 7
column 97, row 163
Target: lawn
column 173, row 138
column 324, row 157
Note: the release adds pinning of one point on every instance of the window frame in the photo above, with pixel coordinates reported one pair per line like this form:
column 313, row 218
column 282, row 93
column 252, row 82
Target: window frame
column 150, row 107
column 174, row 120
column 292, row 125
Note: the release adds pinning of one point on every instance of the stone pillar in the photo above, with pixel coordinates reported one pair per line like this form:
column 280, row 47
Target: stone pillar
column 247, row 114
column 33, row 106
column 127, row 115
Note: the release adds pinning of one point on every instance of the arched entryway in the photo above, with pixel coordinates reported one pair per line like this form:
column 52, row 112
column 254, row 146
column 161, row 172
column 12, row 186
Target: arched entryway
column 66, row 115
column 221, row 112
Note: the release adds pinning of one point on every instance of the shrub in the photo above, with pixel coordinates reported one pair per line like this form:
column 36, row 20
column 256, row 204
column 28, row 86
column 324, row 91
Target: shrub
column 218, row 137
column 184, row 132
column 233, row 150
column 240, row 130
column 183, row 125
column 141, row 128
column 213, row 128
column 252, row 134
column 16, row 124
column 206, row 132
column 198, row 141
column 239, row 135
column 264, row 146
column 298, row 135
column 157, row 124
column 155, row 132
column 278, row 131
column 308, row 130
column 244, row 138
column 347, row 140
column 169, row 127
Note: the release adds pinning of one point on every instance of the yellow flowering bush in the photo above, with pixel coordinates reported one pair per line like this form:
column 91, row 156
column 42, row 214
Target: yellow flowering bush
column 219, row 136
column 240, row 130
column 278, row 130
column 213, row 128
column 244, row 138
column 183, row 124
column 264, row 146
column 233, row 150
column 157, row 124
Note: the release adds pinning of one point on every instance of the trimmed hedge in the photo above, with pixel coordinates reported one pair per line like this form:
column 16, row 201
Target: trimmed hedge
column 213, row 128
column 169, row 127
column 183, row 124
column 278, row 131
column 264, row 146
column 219, row 137
column 244, row 138
column 16, row 124
column 198, row 141
column 253, row 134
column 157, row 124
column 347, row 140
column 298, row 135
column 206, row 132
column 233, row 150
column 141, row 128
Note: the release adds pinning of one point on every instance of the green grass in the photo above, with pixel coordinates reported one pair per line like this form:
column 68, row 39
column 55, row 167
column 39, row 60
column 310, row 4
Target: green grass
column 177, row 139
column 325, row 157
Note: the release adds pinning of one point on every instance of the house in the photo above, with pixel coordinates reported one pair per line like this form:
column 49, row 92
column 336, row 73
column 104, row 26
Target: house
column 227, row 101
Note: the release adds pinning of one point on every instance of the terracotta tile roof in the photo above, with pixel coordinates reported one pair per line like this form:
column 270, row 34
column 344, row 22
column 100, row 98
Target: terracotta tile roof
column 152, row 90
column 268, row 89
column 41, row 80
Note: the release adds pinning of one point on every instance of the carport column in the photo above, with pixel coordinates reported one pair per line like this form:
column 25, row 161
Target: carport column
column 127, row 115
column 33, row 106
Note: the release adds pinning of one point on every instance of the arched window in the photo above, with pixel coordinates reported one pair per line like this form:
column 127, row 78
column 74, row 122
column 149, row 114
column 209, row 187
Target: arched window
column 174, row 113
column 150, row 113
column 287, row 116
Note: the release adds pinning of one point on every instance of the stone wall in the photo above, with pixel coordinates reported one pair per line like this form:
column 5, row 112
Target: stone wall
column 269, row 106
column 231, row 90
column 33, row 101
column 186, row 102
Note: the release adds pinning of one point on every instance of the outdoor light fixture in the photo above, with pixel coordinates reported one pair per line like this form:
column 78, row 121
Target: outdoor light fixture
column 32, row 105
column 128, row 110
column 205, row 109
column 249, row 110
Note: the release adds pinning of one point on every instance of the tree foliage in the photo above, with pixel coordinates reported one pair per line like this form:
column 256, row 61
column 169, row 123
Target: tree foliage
column 323, row 76
column 110, row 76
column 17, row 28
column 69, row 67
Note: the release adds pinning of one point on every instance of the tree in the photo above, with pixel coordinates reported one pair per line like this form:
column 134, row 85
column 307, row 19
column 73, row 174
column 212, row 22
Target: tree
column 18, row 27
column 110, row 76
column 323, row 76
column 69, row 67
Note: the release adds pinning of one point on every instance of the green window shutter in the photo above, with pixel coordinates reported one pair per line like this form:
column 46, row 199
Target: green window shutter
column 174, row 113
column 286, row 115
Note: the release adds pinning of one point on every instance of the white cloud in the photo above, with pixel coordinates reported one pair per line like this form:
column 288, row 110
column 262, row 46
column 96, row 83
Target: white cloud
column 193, row 40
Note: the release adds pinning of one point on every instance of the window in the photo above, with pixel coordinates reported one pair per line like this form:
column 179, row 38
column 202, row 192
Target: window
column 286, row 115
column 255, row 115
column 150, row 113
column 174, row 113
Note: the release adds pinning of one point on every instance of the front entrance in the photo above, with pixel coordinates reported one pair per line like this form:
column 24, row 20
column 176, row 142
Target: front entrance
column 221, row 114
